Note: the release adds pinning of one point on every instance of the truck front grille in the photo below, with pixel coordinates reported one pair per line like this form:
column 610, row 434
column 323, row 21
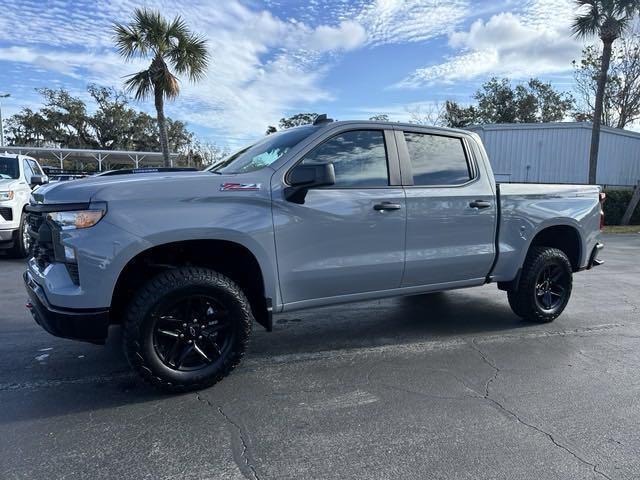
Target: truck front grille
column 34, row 220
column 6, row 213
column 41, row 239
column 43, row 244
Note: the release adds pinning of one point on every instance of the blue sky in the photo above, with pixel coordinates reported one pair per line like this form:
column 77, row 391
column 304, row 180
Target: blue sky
column 272, row 58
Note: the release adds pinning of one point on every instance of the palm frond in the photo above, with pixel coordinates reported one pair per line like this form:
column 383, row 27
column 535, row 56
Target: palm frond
column 178, row 28
column 190, row 56
column 626, row 8
column 129, row 41
column 150, row 34
column 140, row 84
column 586, row 25
column 153, row 28
column 589, row 19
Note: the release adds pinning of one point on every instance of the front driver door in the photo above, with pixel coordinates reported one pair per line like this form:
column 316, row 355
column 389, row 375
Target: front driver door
column 347, row 238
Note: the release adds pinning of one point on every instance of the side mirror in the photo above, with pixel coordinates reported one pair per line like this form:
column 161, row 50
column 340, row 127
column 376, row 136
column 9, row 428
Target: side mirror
column 39, row 180
column 304, row 177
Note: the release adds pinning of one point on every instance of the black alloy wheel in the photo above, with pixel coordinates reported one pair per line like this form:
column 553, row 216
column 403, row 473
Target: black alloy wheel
column 191, row 333
column 551, row 288
column 544, row 288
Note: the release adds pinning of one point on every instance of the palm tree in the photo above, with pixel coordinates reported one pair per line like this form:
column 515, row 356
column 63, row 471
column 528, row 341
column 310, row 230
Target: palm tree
column 167, row 44
column 608, row 19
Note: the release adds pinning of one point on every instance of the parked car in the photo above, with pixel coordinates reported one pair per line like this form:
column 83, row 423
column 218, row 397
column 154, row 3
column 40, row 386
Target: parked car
column 18, row 176
column 323, row 214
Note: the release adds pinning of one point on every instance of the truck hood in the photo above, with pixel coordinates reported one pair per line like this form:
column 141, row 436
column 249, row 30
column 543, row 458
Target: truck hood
column 134, row 186
column 8, row 184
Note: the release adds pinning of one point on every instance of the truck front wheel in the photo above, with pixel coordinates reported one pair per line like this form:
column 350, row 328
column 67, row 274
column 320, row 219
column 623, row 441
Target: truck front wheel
column 187, row 329
column 544, row 287
column 22, row 240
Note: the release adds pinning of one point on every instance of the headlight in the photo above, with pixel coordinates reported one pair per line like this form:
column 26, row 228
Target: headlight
column 6, row 195
column 77, row 219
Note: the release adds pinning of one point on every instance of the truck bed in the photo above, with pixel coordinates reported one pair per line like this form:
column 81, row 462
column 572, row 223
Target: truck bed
column 527, row 208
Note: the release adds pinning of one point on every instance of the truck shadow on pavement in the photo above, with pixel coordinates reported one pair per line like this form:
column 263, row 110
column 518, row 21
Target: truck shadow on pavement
column 404, row 320
column 104, row 382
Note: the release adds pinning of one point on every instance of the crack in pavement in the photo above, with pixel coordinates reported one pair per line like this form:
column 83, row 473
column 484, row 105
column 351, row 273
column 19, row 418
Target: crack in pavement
column 487, row 396
column 246, row 467
column 486, row 360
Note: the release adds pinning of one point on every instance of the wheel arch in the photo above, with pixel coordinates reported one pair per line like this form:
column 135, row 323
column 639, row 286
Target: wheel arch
column 564, row 237
column 231, row 258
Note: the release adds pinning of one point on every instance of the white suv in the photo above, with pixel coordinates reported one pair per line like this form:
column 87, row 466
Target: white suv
column 18, row 176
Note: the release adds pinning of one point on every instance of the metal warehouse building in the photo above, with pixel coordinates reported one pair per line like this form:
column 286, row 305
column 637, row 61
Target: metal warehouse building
column 559, row 153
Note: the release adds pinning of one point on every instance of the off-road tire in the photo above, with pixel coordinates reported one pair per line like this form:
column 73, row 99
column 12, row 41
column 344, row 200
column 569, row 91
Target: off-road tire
column 523, row 300
column 138, row 337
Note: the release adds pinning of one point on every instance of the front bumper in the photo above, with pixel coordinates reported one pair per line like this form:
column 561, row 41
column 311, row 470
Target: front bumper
column 7, row 238
column 89, row 325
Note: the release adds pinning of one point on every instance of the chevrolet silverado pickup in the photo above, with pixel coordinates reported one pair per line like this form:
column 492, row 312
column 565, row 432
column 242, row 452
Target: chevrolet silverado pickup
column 18, row 176
column 321, row 214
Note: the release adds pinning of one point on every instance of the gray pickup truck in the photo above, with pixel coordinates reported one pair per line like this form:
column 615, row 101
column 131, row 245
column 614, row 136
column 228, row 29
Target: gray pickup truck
column 322, row 214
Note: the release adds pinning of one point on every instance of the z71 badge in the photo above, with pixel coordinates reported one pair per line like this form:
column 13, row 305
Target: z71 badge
column 240, row 186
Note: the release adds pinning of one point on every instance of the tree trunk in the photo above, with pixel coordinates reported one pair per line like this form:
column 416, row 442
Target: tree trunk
column 162, row 125
column 597, row 114
column 633, row 203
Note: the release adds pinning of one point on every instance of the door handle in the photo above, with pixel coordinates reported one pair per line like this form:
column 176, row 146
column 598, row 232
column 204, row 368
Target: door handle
column 480, row 204
column 386, row 206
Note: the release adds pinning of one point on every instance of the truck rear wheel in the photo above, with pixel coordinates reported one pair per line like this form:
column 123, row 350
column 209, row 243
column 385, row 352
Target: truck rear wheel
column 544, row 287
column 187, row 329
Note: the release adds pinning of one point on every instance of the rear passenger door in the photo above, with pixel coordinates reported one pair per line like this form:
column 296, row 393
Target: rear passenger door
column 451, row 210
column 347, row 238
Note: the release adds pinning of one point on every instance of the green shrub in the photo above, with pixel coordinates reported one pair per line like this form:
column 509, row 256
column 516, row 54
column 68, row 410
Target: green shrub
column 616, row 204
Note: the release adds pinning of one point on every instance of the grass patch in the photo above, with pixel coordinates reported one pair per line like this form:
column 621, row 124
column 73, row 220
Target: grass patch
column 622, row 229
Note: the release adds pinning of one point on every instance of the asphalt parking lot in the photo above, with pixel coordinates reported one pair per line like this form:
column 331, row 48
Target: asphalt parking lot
column 448, row 385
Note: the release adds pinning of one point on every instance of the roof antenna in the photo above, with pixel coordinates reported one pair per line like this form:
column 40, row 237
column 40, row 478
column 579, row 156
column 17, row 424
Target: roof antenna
column 322, row 118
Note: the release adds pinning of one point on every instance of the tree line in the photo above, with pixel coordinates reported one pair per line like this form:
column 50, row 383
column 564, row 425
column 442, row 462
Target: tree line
column 607, row 90
column 108, row 122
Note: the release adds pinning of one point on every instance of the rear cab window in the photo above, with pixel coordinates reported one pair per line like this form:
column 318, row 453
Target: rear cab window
column 437, row 160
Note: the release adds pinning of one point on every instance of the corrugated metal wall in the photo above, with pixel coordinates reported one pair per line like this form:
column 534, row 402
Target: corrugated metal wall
column 559, row 153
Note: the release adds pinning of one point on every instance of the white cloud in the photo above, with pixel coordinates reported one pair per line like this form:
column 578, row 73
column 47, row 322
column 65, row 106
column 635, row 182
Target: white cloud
column 535, row 42
column 399, row 112
column 346, row 36
column 261, row 65
column 397, row 21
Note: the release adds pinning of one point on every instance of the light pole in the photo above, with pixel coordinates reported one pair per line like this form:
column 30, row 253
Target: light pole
column 2, row 95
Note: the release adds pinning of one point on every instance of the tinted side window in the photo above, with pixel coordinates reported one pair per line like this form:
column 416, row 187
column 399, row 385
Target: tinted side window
column 359, row 158
column 437, row 160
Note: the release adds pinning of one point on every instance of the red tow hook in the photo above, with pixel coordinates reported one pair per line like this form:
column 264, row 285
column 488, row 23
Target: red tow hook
column 29, row 305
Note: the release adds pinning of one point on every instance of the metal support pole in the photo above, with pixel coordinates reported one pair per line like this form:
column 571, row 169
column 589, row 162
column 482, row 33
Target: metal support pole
column 1, row 124
column 1, row 129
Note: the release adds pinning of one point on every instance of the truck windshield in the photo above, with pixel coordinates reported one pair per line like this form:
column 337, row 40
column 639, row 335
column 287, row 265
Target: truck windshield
column 263, row 153
column 9, row 168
